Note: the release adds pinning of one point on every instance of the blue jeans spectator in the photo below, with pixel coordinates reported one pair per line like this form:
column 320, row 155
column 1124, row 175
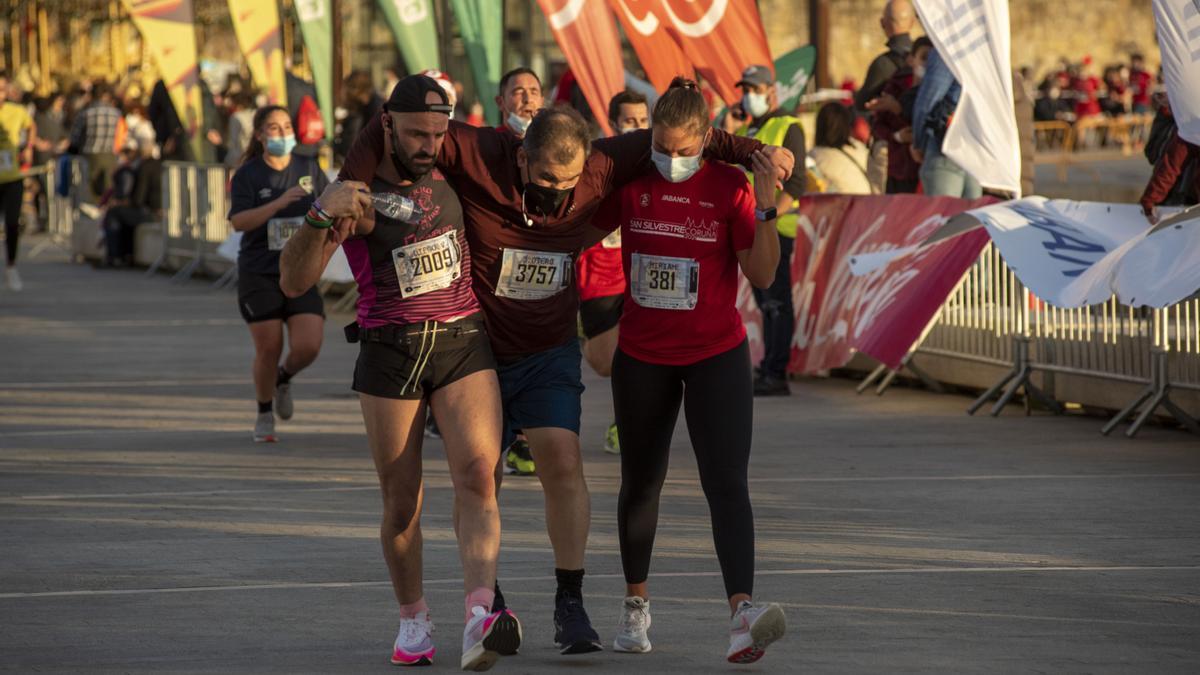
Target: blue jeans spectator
column 941, row 176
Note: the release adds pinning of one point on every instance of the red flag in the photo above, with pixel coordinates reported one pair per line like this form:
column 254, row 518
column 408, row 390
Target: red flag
column 661, row 56
column 588, row 36
column 719, row 37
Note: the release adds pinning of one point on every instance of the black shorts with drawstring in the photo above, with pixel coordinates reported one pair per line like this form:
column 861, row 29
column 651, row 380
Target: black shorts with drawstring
column 411, row 362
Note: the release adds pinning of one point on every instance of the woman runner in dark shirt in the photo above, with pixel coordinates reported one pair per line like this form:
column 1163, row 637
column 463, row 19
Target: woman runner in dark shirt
column 271, row 192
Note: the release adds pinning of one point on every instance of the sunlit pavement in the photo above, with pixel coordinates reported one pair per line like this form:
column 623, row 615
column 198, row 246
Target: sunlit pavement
column 142, row 530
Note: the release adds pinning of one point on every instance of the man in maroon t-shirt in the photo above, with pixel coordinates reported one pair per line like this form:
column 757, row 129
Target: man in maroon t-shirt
column 528, row 206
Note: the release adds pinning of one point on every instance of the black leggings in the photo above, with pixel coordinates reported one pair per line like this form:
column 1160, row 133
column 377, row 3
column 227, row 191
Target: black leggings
column 718, row 399
column 11, row 196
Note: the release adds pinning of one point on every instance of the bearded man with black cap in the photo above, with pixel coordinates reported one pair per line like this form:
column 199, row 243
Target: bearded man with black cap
column 528, row 204
column 422, row 341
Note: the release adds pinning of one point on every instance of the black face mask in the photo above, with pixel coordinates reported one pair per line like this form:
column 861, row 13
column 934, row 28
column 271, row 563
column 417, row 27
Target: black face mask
column 543, row 200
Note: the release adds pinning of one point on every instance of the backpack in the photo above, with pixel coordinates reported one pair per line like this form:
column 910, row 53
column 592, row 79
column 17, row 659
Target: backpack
column 310, row 126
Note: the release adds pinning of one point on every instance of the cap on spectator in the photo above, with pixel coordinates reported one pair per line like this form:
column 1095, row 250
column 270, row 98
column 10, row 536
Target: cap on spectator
column 755, row 76
column 410, row 93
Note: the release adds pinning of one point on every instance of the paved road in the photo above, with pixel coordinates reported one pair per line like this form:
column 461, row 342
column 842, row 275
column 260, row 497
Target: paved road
column 142, row 531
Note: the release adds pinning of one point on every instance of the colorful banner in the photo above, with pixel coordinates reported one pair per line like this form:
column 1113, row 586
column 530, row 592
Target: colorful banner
column 482, row 28
column 169, row 32
column 660, row 55
column 973, row 40
column 256, row 24
column 585, row 31
column 883, row 313
column 316, row 26
column 1177, row 23
column 413, row 24
column 1074, row 254
column 792, row 72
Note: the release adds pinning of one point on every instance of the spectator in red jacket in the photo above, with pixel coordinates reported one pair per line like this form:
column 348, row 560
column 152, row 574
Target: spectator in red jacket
column 1087, row 88
column 1141, row 82
column 1178, row 157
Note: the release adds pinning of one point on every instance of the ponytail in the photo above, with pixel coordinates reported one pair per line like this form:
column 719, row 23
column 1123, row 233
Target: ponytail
column 255, row 147
column 682, row 106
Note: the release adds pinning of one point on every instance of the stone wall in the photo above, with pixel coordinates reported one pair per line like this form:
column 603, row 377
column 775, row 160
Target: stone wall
column 1044, row 31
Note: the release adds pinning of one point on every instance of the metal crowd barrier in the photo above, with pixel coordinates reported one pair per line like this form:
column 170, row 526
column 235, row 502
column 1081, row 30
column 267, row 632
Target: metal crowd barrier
column 991, row 318
column 1090, row 139
column 62, row 212
column 194, row 224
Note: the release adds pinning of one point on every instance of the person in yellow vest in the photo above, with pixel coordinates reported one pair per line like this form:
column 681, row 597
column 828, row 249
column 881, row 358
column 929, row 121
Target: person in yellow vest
column 772, row 125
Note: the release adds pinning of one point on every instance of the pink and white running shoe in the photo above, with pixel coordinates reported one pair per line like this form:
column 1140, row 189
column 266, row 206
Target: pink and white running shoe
column 414, row 642
column 487, row 636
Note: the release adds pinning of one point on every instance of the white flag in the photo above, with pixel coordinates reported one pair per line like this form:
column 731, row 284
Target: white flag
column 1178, row 23
column 1074, row 254
column 972, row 37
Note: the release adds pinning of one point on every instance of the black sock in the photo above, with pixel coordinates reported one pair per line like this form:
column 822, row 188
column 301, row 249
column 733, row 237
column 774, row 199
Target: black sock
column 282, row 377
column 264, row 407
column 498, row 604
column 570, row 583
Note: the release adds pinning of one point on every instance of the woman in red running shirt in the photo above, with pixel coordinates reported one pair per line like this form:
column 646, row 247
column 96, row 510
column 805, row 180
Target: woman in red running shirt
column 687, row 228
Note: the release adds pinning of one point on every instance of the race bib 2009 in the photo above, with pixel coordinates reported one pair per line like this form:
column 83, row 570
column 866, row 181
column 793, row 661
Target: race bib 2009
column 533, row 275
column 428, row 266
column 279, row 230
column 662, row 282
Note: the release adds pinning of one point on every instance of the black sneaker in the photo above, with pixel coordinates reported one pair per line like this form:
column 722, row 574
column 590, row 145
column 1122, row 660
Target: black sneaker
column 766, row 385
column 573, row 632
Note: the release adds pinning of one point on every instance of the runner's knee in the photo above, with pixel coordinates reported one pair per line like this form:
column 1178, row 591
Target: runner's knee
column 477, row 479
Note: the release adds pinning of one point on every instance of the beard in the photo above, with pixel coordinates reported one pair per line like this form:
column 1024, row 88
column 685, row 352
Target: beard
column 411, row 167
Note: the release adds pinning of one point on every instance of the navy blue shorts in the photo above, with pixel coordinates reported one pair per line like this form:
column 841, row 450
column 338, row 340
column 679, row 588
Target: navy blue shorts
column 542, row 390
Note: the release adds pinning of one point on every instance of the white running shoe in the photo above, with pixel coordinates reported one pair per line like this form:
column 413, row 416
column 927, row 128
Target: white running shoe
column 13, row 279
column 283, row 401
column 631, row 631
column 752, row 629
column 264, row 428
column 487, row 636
column 414, row 642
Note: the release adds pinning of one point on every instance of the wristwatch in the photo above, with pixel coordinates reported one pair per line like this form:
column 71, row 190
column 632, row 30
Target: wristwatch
column 763, row 215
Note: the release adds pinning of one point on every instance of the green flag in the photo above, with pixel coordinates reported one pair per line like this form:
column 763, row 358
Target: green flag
column 316, row 25
column 792, row 71
column 482, row 25
column 413, row 24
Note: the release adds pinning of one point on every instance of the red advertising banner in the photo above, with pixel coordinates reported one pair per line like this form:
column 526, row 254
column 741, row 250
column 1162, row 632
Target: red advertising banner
column 881, row 314
column 587, row 34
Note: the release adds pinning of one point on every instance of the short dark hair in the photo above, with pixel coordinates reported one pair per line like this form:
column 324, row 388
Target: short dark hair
column 515, row 72
column 100, row 89
column 627, row 97
column 835, row 121
column 1137, row 56
column 557, row 134
column 682, row 105
column 922, row 41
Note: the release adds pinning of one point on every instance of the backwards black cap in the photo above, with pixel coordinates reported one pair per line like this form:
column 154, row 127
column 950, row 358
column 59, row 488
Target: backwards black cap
column 410, row 93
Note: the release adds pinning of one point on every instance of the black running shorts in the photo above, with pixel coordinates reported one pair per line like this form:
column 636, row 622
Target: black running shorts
column 412, row 366
column 600, row 315
column 260, row 299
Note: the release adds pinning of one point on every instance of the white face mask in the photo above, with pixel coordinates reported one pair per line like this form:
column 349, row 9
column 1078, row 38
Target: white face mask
column 629, row 130
column 517, row 123
column 675, row 169
column 755, row 104
column 919, row 72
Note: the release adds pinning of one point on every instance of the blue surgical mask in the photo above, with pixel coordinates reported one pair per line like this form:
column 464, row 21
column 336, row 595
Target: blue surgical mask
column 755, row 104
column 517, row 123
column 281, row 146
column 675, row 169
